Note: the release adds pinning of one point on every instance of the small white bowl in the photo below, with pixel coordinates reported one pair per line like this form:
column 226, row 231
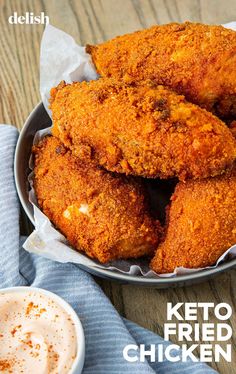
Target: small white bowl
column 78, row 363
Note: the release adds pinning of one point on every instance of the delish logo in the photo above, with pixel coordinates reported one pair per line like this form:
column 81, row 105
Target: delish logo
column 28, row 19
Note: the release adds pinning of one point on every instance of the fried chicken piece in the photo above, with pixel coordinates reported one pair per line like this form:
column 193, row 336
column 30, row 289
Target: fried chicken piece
column 232, row 127
column 142, row 130
column 103, row 214
column 201, row 224
column 193, row 59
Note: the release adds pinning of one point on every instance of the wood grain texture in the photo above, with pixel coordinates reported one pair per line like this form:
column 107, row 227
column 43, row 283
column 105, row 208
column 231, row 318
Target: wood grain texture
column 93, row 21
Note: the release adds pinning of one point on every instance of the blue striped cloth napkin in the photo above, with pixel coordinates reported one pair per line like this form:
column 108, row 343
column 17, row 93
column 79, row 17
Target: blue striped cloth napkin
column 106, row 332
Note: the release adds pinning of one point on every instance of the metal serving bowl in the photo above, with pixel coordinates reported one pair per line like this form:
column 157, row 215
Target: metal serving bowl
column 38, row 120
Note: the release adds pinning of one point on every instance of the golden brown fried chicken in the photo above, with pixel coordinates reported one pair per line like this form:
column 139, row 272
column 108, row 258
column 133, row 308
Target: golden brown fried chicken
column 232, row 127
column 103, row 214
column 201, row 224
column 142, row 130
column 193, row 59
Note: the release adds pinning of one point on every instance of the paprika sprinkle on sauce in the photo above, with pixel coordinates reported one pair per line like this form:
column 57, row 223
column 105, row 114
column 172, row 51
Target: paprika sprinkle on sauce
column 35, row 332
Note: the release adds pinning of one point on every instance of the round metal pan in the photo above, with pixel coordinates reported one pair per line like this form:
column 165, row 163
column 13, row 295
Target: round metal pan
column 39, row 119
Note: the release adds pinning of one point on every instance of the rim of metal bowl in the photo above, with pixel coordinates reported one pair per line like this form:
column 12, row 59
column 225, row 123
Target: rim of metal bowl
column 179, row 280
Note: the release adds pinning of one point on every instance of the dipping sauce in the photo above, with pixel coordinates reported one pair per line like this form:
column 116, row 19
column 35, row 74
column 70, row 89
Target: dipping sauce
column 36, row 334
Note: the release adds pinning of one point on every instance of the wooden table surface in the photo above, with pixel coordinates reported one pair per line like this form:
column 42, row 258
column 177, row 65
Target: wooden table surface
column 93, row 21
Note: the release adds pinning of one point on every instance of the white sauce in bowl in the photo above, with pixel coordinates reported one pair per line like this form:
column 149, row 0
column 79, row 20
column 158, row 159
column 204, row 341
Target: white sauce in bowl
column 36, row 334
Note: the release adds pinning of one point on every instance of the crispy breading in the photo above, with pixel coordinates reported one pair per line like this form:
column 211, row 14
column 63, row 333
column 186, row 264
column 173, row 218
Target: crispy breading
column 201, row 224
column 194, row 59
column 232, row 127
column 101, row 213
column 143, row 130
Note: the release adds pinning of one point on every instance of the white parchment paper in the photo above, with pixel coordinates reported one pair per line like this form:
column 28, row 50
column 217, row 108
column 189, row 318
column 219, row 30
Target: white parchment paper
column 62, row 59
